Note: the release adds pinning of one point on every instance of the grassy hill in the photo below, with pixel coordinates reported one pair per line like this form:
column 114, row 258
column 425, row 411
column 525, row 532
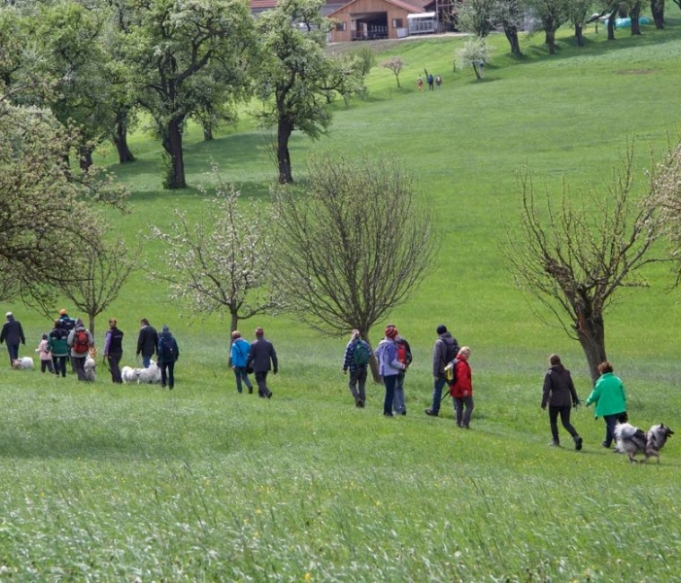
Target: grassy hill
column 105, row 483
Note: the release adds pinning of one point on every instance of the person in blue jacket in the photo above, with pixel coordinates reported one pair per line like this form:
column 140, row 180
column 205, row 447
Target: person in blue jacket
column 239, row 358
column 389, row 367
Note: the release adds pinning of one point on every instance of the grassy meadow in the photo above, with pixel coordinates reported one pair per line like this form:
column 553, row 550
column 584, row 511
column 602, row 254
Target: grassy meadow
column 109, row 483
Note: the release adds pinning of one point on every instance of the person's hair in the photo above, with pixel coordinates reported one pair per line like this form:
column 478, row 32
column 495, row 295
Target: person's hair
column 604, row 367
column 236, row 334
column 113, row 321
column 441, row 329
column 44, row 336
column 554, row 359
column 464, row 349
column 259, row 332
column 144, row 321
column 57, row 323
column 355, row 334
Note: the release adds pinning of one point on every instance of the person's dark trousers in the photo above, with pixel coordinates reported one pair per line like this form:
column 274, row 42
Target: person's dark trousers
column 357, row 384
column 46, row 365
column 463, row 417
column 59, row 365
column 438, row 385
column 389, row 382
column 78, row 364
column 564, row 413
column 261, row 379
column 115, row 367
column 610, row 424
column 241, row 374
column 13, row 350
column 167, row 374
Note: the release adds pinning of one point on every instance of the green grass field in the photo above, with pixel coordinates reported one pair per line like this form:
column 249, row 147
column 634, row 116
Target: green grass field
column 108, row 483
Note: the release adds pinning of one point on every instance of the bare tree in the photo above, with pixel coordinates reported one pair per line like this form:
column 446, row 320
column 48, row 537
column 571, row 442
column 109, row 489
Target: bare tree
column 354, row 246
column 223, row 261
column 394, row 64
column 574, row 258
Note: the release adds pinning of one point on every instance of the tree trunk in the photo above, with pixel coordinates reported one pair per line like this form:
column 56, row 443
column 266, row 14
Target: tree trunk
column 233, row 325
column 657, row 10
column 207, row 133
column 91, row 325
column 85, row 157
column 373, row 363
column 173, row 145
column 591, row 335
column 551, row 41
column 397, row 77
column 120, row 139
column 635, row 24
column 579, row 35
column 511, row 33
column 477, row 71
column 611, row 24
column 284, row 131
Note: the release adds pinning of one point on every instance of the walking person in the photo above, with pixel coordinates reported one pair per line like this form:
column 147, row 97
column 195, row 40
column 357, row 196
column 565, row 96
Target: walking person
column 113, row 350
column 560, row 395
column 262, row 358
column 403, row 356
column 45, row 355
column 462, row 389
column 610, row 398
column 168, row 353
column 239, row 358
column 59, row 348
column 356, row 360
column 147, row 342
column 80, row 340
column 13, row 334
column 445, row 350
column 389, row 367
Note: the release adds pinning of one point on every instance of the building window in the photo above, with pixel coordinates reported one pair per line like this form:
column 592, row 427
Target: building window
column 397, row 23
column 341, row 26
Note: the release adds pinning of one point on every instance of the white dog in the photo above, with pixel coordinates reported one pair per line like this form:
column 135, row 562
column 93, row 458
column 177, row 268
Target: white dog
column 150, row 375
column 23, row 363
column 90, row 365
column 130, row 375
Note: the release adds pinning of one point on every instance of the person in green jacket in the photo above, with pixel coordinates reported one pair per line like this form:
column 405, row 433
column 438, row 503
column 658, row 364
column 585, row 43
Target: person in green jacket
column 610, row 399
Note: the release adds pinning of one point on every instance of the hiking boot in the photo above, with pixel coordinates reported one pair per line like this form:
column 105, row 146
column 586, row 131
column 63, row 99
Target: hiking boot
column 403, row 412
column 269, row 395
column 387, row 414
column 578, row 443
column 432, row 412
column 554, row 444
column 250, row 390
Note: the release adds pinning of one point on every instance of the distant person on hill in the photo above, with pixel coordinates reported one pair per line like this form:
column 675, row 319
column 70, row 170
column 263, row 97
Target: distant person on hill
column 80, row 340
column 404, row 356
column 419, row 83
column 430, row 82
column 610, row 399
column 389, row 367
column 445, row 350
column 113, row 350
column 356, row 360
column 58, row 346
column 560, row 395
column 13, row 334
column 147, row 342
column 239, row 357
column 168, row 353
column 45, row 355
column 462, row 389
column 438, row 80
column 262, row 358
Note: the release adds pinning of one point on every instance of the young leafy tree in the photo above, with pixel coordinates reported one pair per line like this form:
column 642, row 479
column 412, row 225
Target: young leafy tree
column 477, row 16
column 574, row 258
column 394, row 64
column 353, row 246
column 474, row 54
column 222, row 262
column 174, row 49
column 294, row 75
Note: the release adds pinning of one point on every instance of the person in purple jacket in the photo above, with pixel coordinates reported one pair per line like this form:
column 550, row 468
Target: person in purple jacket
column 389, row 367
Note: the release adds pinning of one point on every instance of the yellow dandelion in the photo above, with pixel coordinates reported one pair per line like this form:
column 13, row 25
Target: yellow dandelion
column 308, row 577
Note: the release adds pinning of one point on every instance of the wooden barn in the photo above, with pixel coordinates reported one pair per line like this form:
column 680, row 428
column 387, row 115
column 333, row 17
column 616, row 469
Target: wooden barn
column 373, row 19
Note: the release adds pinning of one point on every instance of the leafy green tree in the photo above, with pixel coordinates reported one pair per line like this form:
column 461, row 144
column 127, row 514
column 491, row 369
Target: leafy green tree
column 174, row 49
column 474, row 54
column 657, row 10
column 579, row 11
column 552, row 14
column 294, row 75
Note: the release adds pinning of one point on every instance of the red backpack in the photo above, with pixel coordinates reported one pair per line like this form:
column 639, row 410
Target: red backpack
column 81, row 342
column 403, row 355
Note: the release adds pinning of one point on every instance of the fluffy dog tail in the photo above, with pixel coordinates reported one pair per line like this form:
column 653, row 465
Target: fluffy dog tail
column 627, row 431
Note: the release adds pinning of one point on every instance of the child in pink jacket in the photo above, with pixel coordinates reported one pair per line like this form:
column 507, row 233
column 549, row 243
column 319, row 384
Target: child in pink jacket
column 45, row 355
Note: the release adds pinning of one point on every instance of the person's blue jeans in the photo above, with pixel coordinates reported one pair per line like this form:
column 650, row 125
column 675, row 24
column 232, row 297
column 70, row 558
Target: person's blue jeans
column 398, row 397
column 438, row 385
column 241, row 375
column 389, row 382
column 146, row 361
column 610, row 424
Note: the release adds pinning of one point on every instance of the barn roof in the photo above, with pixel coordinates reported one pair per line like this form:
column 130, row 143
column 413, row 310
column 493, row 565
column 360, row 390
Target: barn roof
column 414, row 6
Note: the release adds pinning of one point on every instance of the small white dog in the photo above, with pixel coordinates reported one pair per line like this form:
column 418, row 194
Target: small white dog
column 90, row 365
column 130, row 375
column 23, row 363
column 150, row 375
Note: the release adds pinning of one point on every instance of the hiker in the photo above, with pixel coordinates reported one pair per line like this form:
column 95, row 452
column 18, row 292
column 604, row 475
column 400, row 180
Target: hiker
column 58, row 346
column 45, row 355
column 404, row 356
column 356, row 359
column 419, row 83
column 80, row 340
column 560, row 395
column 462, row 389
column 239, row 358
column 445, row 350
column 67, row 323
column 430, row 82
column 168, row 353
column 113, row 350
column 438, row 80
column 610, row 399
column 262, row 358
column 13, row 334
column 389, row 367
column 147, row 342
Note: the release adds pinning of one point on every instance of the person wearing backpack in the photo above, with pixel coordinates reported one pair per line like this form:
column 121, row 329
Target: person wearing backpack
column 356, row 360
column 239, row 357
column 389, row 367
column 80, row 340
column 403, row 356
column 445, row 350
column 260, row 356
column 168, row 353
column 462, row 389
column 113, row 350
column 58, row 346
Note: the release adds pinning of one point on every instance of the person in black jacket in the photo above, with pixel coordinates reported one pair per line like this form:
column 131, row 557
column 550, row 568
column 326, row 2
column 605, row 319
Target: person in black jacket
column 13, row 334
column 560, row 395
column 168, row 353
column 259, row 357
column 147, row 342
column 113, row 350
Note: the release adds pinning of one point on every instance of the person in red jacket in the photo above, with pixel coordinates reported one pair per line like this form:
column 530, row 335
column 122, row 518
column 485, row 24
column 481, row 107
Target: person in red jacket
column 462, row 389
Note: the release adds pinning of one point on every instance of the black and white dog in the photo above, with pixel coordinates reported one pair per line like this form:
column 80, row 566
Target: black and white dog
column 632, row 440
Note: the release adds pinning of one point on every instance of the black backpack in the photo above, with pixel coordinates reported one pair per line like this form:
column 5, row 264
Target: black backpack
column 168, row 351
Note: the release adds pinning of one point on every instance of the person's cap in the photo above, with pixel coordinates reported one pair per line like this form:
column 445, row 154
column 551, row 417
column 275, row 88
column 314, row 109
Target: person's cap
column 259, row 332
column 441, row 329
column 62, row 312
column 391, row 332
column 8, row 314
